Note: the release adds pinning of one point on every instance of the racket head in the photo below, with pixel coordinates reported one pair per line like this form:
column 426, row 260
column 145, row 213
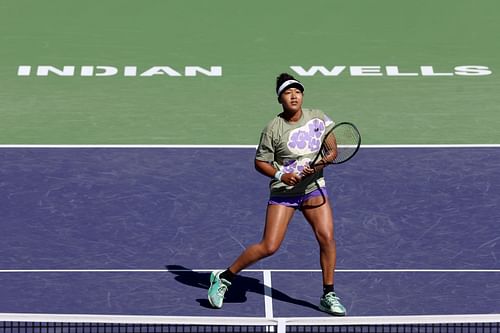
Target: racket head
column 339, row 145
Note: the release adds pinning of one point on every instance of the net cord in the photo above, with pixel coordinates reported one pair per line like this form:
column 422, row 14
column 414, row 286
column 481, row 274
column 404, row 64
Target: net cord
column 280, row 323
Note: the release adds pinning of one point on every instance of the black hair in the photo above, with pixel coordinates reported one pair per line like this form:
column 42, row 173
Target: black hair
column 283, row 77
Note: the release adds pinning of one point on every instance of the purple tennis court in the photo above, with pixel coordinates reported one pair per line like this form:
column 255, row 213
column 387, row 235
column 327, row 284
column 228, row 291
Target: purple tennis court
column 126, row 231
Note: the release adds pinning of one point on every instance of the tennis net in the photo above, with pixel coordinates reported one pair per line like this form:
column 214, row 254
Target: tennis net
column 40, row 323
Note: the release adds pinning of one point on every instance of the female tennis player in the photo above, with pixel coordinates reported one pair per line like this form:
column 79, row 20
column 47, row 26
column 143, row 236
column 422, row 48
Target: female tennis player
column 287, row 144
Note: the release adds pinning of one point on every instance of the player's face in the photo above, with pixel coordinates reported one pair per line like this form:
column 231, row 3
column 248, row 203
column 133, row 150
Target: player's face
column 291, row 99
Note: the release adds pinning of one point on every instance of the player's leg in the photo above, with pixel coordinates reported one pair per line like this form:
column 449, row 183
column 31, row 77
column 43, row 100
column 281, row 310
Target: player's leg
column 318, row 212
column 277, row 219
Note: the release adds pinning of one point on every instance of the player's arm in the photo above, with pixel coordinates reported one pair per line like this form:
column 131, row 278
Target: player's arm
column 268, row 170
column 330, row 150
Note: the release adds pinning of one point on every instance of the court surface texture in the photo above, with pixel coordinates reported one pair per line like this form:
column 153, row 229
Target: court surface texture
column 129, row 231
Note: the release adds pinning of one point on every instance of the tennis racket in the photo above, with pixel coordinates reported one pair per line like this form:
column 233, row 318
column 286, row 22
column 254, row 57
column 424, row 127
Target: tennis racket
column 339, row 145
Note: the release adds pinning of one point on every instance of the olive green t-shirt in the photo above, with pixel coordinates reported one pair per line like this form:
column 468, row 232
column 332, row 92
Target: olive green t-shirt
column 290, row 146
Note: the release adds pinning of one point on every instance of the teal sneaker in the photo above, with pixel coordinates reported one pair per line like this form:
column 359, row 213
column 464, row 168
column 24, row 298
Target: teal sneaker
column 330, row 303
column 218, row 288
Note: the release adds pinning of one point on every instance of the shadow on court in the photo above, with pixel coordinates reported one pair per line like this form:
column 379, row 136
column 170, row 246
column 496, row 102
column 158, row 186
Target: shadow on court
column 237, row 293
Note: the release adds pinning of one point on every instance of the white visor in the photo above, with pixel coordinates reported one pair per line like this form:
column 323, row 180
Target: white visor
column 287, row 84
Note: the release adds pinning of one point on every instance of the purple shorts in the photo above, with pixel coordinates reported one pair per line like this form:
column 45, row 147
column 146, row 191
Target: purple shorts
column 297, row 201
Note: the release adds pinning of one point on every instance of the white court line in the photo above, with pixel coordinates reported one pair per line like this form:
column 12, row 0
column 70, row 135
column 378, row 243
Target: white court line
column 406, row 270
column 268, row 297
column 127, row 146
column 160, row 146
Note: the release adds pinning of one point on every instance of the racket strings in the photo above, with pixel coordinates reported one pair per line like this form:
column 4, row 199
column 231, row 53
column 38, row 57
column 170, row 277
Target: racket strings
column 341, row 144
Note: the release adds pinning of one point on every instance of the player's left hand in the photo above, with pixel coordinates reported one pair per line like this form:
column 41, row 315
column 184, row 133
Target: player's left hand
column 307, row 171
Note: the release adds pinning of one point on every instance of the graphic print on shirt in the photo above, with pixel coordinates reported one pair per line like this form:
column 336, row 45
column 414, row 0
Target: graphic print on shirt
column 305, row 140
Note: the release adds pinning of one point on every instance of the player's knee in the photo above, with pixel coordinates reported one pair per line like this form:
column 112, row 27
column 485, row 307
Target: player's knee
column 326, row 239
column 268, row 249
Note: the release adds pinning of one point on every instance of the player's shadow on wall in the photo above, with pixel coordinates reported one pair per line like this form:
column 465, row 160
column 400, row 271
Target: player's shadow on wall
column 237, row 292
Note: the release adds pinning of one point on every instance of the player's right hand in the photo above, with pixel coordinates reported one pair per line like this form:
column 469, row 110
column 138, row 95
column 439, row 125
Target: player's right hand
column 291, row 179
